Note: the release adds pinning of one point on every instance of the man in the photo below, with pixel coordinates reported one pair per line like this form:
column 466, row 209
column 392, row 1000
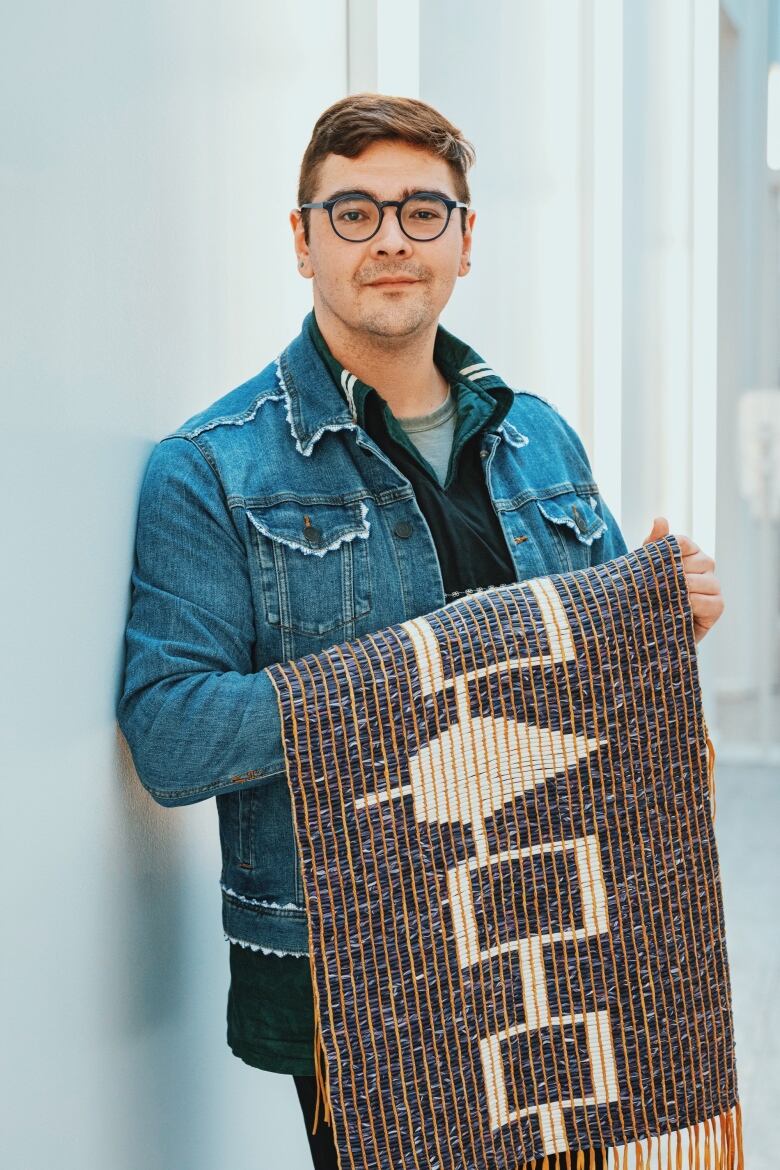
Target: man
column 373, row 472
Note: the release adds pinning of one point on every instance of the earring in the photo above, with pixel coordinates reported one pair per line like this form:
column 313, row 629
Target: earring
column 300, row 263
column 469, row 263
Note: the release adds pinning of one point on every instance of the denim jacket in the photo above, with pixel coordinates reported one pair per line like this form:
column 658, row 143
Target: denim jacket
column 270, row 526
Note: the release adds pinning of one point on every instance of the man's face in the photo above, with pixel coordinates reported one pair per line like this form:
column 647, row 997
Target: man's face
column 346, row 274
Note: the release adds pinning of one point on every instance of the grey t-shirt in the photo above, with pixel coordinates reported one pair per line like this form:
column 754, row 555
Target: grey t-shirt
column 432, row 434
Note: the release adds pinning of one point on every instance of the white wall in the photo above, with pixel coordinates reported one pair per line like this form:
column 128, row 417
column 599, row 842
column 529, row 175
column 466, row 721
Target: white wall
column 509, row 80
column 748, row 329
column 149, row 159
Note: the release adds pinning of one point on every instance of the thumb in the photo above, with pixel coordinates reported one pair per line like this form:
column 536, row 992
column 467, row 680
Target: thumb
column 660, row 528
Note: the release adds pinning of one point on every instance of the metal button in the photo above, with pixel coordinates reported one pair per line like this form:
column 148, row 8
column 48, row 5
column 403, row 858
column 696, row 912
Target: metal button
column 402, row 528
column 312, row 534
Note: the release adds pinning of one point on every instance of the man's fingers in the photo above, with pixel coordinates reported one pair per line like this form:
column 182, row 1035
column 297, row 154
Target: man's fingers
column 660, row 528
column 687, row 546
column 695, row 559
column 707, row 608
column 698, row 562
column 702, row 583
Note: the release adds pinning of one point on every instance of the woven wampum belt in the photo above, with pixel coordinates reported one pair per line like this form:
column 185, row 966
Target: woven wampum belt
column 504, row 815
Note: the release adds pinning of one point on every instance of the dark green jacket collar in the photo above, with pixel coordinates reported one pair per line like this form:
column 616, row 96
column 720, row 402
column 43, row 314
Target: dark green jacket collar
column 483, row 398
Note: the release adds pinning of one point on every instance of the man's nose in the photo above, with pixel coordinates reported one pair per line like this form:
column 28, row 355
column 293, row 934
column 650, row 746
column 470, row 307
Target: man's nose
column 390, row 238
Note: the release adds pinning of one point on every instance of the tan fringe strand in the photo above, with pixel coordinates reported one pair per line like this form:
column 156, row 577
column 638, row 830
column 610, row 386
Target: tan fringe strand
column 711, row 769
column 320, row 1070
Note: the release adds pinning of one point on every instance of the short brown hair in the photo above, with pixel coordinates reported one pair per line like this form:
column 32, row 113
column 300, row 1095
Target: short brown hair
column 355, row 122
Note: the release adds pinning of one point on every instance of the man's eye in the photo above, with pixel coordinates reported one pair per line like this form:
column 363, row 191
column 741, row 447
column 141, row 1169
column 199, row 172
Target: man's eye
column 426, row 213
column 347, row 215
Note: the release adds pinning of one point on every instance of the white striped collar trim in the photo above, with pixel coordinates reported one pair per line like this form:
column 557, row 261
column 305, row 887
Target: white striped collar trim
column 477, row 371
column 473, row 373
column 348, row 384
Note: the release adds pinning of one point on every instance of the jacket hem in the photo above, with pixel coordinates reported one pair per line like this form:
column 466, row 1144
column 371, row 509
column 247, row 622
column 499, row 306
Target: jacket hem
column 266, row 950
column 268, row 928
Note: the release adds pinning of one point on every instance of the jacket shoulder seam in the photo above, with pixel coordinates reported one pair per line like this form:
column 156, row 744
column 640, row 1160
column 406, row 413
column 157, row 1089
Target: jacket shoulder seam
column 237, row 419
column 202, row 450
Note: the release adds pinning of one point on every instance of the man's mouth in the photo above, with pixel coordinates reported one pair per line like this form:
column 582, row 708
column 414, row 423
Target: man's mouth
column 393, row 280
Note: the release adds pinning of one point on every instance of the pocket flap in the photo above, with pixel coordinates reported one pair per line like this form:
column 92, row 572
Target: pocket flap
column 311, row 527
column 577, row 511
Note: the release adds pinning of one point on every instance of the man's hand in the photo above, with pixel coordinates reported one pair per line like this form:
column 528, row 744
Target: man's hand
column 703, row 586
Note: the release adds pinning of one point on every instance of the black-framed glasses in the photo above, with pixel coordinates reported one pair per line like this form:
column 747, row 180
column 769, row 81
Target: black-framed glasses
column 357, row 216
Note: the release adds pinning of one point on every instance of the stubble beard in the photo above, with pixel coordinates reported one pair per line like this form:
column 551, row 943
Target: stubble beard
column 397, row 318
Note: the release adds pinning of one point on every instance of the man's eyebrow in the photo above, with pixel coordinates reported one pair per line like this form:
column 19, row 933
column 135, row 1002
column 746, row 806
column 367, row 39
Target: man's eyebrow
column 406, row 192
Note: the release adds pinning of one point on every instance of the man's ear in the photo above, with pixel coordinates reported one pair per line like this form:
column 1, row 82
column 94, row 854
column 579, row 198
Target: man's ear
column 299, row 240
column 465, row 255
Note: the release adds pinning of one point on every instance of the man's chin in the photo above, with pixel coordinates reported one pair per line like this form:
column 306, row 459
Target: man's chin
column 392, row 323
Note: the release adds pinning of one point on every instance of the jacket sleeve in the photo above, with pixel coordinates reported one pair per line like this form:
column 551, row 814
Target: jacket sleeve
column 611, row 543
column 197, row 720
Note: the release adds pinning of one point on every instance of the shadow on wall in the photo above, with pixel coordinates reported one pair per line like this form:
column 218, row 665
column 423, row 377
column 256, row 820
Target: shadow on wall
column 149, row 961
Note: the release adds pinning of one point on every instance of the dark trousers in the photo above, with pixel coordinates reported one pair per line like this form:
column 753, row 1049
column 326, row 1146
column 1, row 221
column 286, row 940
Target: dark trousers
column 323, row 1149
column 321, row 1144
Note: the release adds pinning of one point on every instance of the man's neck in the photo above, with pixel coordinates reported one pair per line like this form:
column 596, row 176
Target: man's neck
column 401, row 369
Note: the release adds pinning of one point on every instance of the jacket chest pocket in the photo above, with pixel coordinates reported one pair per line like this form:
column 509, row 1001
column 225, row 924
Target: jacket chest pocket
column 313, row 564
column 570, row 524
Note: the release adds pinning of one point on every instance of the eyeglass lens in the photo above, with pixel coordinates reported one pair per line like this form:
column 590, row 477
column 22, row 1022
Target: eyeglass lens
column 423, row 217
